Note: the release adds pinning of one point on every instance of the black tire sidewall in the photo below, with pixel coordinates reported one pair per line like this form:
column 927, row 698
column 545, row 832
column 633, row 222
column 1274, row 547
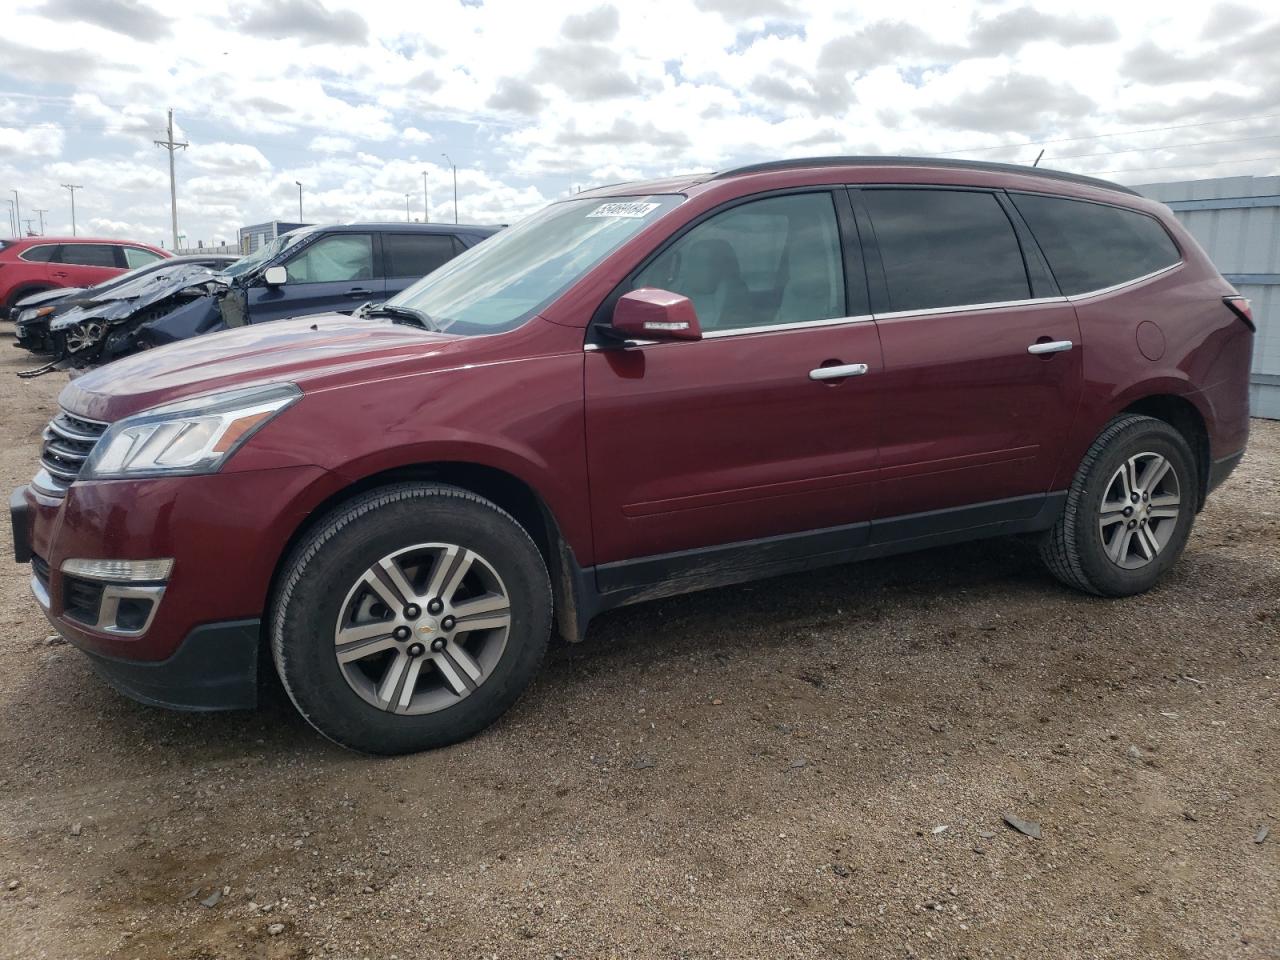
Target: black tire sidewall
column 344, row 547
column 1147, row 436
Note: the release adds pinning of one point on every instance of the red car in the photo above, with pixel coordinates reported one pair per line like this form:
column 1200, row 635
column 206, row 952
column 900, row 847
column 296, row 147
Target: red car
column 646, row 389
column 35, row 264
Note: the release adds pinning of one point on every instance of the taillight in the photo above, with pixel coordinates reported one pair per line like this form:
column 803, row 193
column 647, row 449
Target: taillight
column 1241, row 308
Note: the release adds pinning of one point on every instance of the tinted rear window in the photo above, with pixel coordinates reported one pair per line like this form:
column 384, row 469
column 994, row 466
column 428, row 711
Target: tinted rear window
column 1092, row 245
column 39, row 254
column 416, row 255
column 946, row 248
column 88, row 254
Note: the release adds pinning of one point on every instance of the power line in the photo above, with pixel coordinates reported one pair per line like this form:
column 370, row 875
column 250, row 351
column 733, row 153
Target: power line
column 1167, row 146
column 1183, row 166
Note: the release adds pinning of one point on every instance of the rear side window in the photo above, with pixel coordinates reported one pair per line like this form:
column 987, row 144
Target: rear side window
column 88, row 254
column 946, row 248
column 767, row 262
column 137, row 257
column 44, row 253
column 340, row 256
column 1091, row 245
column 416, row 255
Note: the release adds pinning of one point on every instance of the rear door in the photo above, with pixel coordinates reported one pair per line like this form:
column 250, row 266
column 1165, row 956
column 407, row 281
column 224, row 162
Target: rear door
column 982, row 357
column 84, row 264
column 337, row 272
column 408, row 257
column 730, row 439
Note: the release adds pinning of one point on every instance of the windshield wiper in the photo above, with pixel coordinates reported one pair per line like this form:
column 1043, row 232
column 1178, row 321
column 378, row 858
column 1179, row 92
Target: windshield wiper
column 400, row 315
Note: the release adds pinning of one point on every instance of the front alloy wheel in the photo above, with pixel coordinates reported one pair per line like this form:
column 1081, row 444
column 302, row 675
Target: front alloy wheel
column 410, row 617
column 422, row 628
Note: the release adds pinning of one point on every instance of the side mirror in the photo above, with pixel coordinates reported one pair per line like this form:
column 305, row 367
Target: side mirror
column 651, row 314
column 275, row 276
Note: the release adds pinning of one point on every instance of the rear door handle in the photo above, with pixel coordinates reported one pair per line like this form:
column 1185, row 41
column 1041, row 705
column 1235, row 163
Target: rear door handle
column 1053, row 346
column 838, row 373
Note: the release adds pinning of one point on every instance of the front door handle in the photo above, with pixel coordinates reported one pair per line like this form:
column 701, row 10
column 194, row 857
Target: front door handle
column 60, row 274
column 1053, row 346
column 838, row 372
column 359, row 292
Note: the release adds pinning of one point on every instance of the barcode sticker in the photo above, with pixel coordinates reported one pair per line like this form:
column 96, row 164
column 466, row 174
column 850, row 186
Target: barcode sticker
column 633, row 209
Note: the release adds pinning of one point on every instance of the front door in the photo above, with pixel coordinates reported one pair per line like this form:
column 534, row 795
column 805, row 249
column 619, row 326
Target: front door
column 741, row 436
column 335, row 273
column 982, row 359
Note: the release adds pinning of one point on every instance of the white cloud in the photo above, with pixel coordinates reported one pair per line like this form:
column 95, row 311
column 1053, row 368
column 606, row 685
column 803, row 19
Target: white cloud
column 533, row 99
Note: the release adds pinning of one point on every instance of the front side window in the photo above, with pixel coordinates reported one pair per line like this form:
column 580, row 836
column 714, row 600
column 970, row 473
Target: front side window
column 497, row 285
column 762, row 263
column 42, row 253
column 1092, row 245
column 137, row 257
column 341, row 256
column 946, row 248
column 416, row 255
column 88, row 254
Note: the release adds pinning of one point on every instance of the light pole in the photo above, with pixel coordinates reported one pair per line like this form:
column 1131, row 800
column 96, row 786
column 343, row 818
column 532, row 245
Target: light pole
column 73, row 187
column 426, row 200
column 299, row 183
column 13, row 224
column 41, row 213
column 406, row 208
column 455, row 185
column 17, row 216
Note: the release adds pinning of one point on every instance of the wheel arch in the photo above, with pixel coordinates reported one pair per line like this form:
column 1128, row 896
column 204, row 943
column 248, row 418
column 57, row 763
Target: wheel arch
column 24, row 290
column 512, row 493
column 1185, row 417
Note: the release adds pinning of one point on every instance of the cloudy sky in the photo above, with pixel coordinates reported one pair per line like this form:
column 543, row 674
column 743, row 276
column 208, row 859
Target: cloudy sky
column 534, row 98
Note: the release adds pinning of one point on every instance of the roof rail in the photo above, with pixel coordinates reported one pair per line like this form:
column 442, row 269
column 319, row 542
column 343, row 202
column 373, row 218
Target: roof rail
column 874, row 161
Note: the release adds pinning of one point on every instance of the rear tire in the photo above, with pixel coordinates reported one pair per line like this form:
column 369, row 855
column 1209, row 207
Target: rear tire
column 1129, row 510
column 411, row 618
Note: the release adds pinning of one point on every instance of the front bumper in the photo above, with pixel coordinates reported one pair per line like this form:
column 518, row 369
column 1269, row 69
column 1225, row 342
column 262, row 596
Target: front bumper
column 225, row 533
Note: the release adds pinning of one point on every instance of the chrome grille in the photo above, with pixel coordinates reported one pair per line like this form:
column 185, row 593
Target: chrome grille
column 68, row 441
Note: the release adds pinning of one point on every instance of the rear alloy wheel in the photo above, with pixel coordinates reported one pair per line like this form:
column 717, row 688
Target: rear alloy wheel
column 411, row 617
column 1129, row 510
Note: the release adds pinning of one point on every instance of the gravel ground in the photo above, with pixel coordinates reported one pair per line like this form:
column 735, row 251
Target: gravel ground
column 813, row 766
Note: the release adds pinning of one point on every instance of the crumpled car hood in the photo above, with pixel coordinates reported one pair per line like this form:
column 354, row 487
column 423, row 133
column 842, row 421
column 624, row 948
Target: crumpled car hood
column 49, row 296
column 123, row 301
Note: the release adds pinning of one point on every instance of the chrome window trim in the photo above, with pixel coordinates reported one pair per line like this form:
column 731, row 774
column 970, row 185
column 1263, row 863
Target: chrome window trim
column 742, row 331
column 969, row 307
column 1127, row 283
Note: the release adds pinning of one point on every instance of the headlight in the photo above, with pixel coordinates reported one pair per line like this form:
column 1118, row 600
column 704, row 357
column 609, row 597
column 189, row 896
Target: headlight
column 34, row 313
column 192, row 436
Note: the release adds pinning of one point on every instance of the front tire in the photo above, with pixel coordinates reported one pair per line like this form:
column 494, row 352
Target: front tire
column 411, row 618
column 1129, row 510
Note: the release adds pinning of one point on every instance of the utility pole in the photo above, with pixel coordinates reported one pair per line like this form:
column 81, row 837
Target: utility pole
column 426, row 200
column 299, row 183
column 42, row 213
column 171, row 145
column 30, row 232
column 73, row 187
column 406, row 208
column 13, row 225
column 455, row 185
column 17, row 216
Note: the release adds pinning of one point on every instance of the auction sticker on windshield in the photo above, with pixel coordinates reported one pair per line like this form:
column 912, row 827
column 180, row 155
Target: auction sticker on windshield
column 634, row 209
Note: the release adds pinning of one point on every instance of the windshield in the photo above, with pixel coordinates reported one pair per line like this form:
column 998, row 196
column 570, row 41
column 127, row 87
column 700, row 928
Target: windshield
column 264, row 253
column 500, row 283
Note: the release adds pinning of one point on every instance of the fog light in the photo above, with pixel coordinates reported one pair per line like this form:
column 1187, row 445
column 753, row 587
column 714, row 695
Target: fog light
column 120, row 571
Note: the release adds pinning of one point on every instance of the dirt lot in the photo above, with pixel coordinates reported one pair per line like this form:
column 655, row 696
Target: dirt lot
column 809, row 767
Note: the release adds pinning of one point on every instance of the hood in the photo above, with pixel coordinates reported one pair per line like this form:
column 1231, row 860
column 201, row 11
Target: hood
column 320, row 350
column 120, row 302
column 47, row 297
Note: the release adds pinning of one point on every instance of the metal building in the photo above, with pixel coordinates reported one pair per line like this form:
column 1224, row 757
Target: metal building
column 1237, row 221
column 260, row 234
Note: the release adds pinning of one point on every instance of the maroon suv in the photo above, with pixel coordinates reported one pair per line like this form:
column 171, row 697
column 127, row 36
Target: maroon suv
column 647, row 389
